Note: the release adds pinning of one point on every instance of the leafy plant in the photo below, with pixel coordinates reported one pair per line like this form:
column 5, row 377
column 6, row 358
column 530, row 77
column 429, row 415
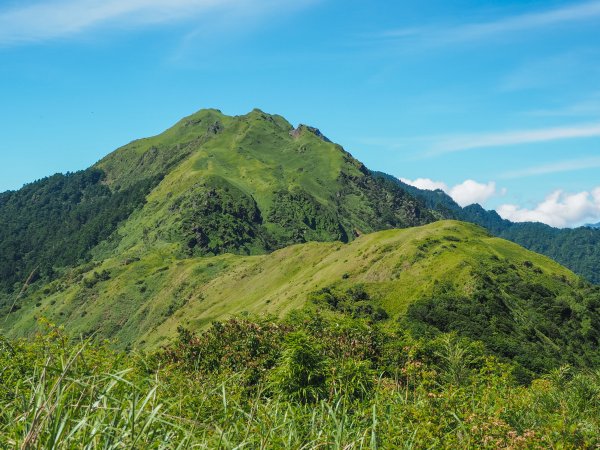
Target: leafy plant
column 301, row 372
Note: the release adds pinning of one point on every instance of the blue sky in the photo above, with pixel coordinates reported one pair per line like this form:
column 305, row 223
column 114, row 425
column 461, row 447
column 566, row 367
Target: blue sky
column 497, row 102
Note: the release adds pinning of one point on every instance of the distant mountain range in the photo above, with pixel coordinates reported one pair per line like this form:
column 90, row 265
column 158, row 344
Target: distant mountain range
column 225, row 215
column 578, row 248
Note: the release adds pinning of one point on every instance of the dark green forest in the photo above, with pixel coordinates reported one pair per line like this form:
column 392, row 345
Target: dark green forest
column 56, row 221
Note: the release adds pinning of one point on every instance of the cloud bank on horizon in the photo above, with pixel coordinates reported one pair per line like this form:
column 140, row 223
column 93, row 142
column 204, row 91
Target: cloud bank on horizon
column 559, row 209
column 465, row 193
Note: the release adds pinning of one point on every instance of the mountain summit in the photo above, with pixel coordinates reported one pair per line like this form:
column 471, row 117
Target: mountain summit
column 251, row 184
column 210, row 184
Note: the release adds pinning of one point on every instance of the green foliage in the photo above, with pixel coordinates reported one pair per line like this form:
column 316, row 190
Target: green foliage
column 353, row 379
column 237, row 345
column 96, row 278
column 456, row 358
column 376, row 203
column 354, row 301
column 444, row 392
column 302, row 218
column 302, row 370
column 516, row 317
column 578, row 249
column 217, row 217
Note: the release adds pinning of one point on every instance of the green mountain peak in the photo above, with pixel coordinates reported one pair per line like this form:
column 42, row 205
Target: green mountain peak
column 221, row 215
column 209, row 184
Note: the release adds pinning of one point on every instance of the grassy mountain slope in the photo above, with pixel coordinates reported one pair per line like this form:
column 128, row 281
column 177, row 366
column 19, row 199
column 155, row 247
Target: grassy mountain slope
column 578, row 248
column 208, row 185
column 257, row 185
column 205, row 220
column 143, row 301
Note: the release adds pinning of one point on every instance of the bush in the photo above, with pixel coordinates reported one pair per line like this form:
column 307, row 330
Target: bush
column 301, row 373
column 352, row 379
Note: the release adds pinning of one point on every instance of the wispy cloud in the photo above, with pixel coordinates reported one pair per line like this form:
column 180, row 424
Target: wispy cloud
column 42, row 20
column 558, row 167
column 551, row 71
column 477, row 31
column 451, row 144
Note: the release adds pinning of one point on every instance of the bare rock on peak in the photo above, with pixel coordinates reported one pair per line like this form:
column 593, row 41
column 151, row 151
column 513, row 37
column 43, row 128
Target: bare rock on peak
column 295, row 133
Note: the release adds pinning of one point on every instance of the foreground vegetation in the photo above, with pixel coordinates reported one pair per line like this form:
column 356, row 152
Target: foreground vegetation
column 313, row 380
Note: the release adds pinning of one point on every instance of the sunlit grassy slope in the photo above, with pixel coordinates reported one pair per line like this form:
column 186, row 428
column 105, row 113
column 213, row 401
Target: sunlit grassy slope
column 143, row 301
column 249, row 184
column 248, row 214
column 211, row 184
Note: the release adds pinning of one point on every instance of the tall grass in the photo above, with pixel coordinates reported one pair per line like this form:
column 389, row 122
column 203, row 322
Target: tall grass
column 57, row 395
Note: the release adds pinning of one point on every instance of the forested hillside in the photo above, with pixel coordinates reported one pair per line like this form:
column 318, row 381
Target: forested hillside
column 55, row 222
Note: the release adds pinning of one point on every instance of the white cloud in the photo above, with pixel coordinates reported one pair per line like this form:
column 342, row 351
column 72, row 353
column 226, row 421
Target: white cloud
column 465, row 193
column 426, row 183
column 452, row 144
column 470, row 191
column 561, row 166
column 42, row 20
column 558, row 209
column 507, row 26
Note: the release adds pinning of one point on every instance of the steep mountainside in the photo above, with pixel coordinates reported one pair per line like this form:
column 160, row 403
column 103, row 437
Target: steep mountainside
column 446, row 276
column 210, row 184
column 578, row 248
column 224, row 215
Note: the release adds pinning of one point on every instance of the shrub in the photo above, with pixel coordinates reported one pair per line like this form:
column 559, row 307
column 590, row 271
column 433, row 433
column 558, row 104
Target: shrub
column 352, row 379
column 301, row 373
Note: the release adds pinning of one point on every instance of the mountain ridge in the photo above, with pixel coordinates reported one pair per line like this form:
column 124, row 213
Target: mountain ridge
column 418, row 276
column 310, row 210
column 224, row 215
column 241, row 168
column 576, row 248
